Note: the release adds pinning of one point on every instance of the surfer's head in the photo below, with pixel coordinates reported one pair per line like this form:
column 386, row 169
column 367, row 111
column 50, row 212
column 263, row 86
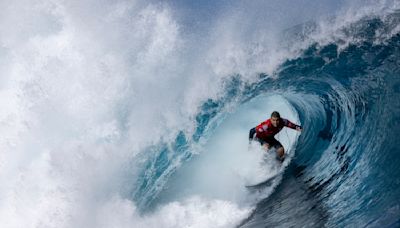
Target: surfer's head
column 275, row 118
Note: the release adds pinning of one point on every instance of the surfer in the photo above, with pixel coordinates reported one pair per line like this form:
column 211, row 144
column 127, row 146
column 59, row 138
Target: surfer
column 264, row 133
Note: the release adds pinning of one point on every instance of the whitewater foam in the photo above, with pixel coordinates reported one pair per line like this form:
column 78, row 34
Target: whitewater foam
column 87, row 86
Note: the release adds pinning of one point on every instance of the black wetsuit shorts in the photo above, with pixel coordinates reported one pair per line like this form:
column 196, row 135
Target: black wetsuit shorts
column 270, row 140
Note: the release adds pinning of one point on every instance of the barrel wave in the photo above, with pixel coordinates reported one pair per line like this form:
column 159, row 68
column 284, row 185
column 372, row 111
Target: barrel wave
column 345, row 170
column 345, row 166
column 137, row 113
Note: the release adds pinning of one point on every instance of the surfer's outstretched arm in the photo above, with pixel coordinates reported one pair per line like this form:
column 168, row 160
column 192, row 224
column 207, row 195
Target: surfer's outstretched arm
column 289, row 124
column 252, row 133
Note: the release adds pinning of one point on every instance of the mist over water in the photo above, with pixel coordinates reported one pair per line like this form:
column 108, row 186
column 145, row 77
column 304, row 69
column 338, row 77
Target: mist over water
column 136, row 113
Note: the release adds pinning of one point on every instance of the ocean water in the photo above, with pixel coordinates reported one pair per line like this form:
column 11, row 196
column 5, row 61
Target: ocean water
column 136, row 113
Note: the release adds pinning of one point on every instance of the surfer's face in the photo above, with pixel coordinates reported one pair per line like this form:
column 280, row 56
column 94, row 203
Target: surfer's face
column 275, row 121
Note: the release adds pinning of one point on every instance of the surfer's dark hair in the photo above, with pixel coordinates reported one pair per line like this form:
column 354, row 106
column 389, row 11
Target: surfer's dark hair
column 276, row 114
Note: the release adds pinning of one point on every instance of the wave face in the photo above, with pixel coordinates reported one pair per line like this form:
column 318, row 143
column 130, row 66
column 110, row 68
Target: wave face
column 136, row 113
column 345, row 170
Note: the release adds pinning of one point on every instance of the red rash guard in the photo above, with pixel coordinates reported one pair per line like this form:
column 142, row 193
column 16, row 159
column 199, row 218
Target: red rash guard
column 267, row 130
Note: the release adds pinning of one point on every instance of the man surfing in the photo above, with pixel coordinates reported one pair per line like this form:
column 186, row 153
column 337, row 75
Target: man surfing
column 264, row 133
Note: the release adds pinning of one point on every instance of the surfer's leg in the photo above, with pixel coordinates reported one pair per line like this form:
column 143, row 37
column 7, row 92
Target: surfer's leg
column 267, row 143
column 266, row 146
column 280, row 151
